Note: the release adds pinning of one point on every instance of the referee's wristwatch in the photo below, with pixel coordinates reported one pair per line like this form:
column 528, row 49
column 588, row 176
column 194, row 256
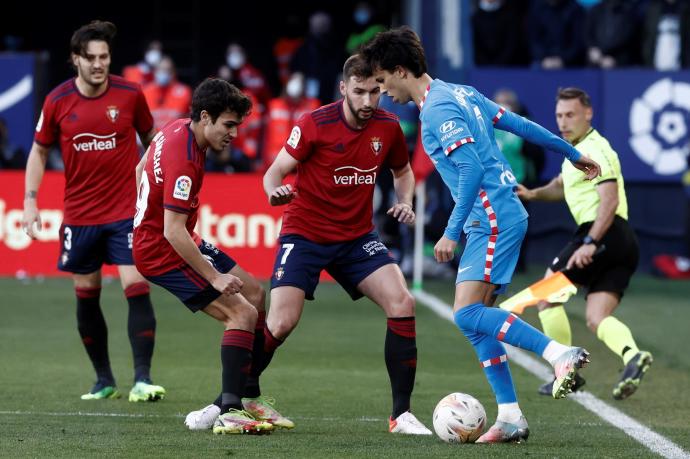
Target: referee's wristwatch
column 589, row 240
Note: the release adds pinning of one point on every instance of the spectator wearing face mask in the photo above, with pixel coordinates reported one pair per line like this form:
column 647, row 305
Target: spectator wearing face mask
column 497, row 31
column 318, row 59
column 282, row 115
column 142, row 72
column 251, row 79
column 364, row 28
column 168, row 99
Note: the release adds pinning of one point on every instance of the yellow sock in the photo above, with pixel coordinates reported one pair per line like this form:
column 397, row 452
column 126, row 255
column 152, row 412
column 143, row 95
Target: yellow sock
column 555, row 324
column 617, row 336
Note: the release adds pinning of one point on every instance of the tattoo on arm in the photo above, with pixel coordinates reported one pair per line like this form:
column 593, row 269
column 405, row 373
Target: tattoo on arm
column 31, row 195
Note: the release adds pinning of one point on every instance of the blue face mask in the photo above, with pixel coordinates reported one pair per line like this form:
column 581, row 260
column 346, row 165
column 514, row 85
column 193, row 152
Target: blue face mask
column 362, row 16
column 162, row 77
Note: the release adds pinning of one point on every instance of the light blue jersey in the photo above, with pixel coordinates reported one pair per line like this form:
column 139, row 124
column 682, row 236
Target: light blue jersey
column 458, row 134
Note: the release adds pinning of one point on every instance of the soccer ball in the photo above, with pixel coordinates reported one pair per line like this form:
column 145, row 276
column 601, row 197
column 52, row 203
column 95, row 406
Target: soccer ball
column 459, row 418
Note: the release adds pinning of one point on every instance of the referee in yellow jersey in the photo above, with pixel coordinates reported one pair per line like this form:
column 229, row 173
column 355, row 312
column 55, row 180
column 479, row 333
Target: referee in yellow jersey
column 600, row 209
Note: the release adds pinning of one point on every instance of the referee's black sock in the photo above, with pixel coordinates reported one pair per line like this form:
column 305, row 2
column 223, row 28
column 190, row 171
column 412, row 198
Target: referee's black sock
column 94, row 332
column 141, row 328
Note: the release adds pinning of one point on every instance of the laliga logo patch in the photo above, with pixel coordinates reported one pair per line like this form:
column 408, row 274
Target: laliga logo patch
column 659, row 126
column 112, row 113
column 183, row 187
column 295, row 135
column 376, row 145
column 280, row 272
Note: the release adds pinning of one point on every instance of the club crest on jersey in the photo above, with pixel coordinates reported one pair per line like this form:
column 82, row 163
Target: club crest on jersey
column 112, row 113
column 376, row 145
column 280, row 272
column 183, row 187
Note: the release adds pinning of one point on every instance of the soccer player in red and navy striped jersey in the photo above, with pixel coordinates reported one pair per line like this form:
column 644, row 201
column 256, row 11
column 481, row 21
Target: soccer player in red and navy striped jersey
column 95, row 119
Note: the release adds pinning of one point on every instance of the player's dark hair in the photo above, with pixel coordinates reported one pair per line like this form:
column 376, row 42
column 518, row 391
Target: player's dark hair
column 574, row 93
column 358, row 67
column 217, row 96
column 396, row 47
column 94, row 30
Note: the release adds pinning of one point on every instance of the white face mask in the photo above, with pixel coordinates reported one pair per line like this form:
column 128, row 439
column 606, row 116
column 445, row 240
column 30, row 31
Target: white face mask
column 153, row 57
column 162, row 77
column 485, row 5
column 294, row 88
column 235, row 60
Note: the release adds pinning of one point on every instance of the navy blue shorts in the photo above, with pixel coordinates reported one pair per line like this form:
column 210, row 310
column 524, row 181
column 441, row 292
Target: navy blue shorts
column 299, row 262
column 188, row 285
column 84, row 249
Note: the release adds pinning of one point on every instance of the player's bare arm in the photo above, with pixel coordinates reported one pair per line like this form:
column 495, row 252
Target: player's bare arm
column 179, row 238
column 279, row 194
column 553, row 191
column 606, row 212
column 403, row 182
column 35, row 168
column 147, row 138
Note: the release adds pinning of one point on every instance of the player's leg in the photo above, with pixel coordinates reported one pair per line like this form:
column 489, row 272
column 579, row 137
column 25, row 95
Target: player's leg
column 141, row 320
column 254, row 402
column 387, row 288
column 82, row 253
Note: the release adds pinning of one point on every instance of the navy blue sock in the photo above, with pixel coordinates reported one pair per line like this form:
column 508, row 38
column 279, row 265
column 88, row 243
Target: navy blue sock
column 94, row 332
column 235, row 356
column 141, row 328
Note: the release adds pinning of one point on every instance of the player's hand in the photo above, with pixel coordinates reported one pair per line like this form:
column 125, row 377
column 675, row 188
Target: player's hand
column 588, row 166
column 444, row 250
column 227, row 284
column 30, row 217
column 403, row 212
column 281, row 195
column 524, row 193
column 582, row 257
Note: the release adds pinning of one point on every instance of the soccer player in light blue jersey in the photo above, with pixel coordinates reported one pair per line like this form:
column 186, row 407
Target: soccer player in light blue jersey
column 458, row 125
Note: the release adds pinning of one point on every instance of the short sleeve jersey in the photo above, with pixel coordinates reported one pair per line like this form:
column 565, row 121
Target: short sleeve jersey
column 337, row 170
column 97, row 138
column 456, row 115
column 172, row 178
column 580, row 194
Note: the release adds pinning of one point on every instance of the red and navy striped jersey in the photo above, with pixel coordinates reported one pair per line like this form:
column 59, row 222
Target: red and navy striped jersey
column 337, row 171
column 171, row 180
column 97, row 138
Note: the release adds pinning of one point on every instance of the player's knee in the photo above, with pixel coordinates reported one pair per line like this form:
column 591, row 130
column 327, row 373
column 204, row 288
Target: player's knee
column 256, row 295
column 403, row 305
column 281, row 327
column 243, row 316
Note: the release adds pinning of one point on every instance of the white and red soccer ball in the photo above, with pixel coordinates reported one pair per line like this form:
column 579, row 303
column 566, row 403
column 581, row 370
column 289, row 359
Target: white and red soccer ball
column 459, row 418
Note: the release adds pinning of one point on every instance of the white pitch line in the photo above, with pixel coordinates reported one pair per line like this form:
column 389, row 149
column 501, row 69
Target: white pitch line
column 637, row 431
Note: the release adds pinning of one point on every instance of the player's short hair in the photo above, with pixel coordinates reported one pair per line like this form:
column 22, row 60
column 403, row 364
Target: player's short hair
column 217, row 96
column 396, row 47
column 574, row 93
column 94, row 30
column 358, row 67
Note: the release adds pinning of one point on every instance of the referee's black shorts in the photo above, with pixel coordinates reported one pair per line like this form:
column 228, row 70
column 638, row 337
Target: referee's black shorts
column 611, row 269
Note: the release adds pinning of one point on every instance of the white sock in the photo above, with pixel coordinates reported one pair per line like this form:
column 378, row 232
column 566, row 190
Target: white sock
column 509, row 412
column 554, row 350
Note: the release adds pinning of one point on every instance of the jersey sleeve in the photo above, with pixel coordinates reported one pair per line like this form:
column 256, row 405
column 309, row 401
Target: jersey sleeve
column 301, row 141
column 180, row 184
column 470, row 174
column 46, row 127
column 398, row 156
column 608, row 169
column 143, row 120
column 449, row 127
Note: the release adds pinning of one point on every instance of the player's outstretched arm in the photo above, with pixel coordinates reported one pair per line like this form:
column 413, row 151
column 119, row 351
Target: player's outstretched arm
column 403, row 183
column 279, row 194
column 35, row 168
column 553, row 191
column 175, row 231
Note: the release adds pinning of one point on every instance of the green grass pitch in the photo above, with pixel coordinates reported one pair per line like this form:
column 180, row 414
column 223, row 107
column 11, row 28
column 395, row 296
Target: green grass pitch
column 329, row 377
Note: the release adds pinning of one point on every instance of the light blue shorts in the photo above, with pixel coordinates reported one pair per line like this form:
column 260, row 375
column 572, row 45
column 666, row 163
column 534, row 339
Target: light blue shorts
column 492, row 257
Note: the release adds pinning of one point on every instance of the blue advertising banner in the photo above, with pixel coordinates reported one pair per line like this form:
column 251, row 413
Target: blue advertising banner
column 644, row 114
column 17, row 97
